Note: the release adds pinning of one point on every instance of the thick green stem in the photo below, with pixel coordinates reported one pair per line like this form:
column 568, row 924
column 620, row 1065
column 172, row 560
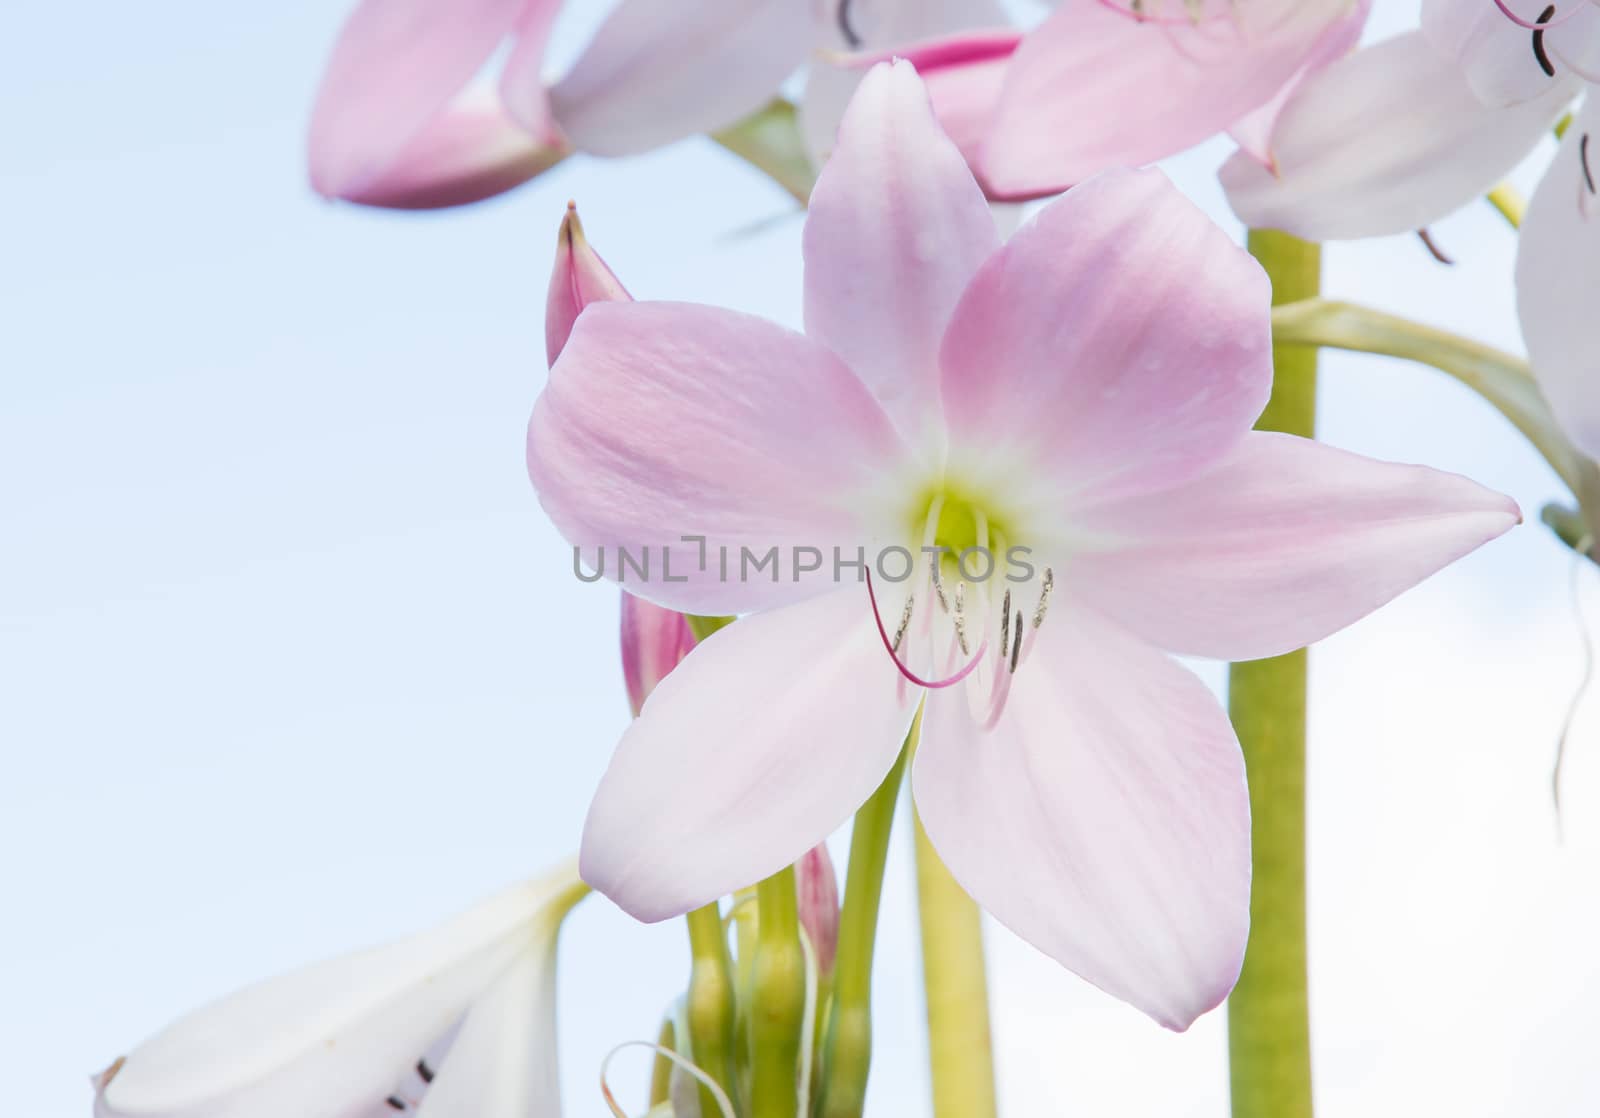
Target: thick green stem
column 847, row 1050
column 777, row 1000
column 711, row 1003
column 1269, row 1029
column 960, row 1052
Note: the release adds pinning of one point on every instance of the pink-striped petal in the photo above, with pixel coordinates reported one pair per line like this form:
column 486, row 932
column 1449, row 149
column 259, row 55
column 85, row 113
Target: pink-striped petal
column 657, row 72
column 663, row 420
column 1384, row 141
column 1104, row 819
column 1558, row 281
column 1285, row 542
column 470, row 151
column 1118, row 343
column 654, row 641
column 896, row 229
column 397, row 65
column 759, row 745
column 1096, row 87
column 579, row 277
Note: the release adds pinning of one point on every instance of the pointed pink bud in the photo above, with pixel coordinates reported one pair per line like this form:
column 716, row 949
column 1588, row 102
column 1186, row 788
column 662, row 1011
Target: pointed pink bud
column 818, row 890
column 654, row 641
column 580, row 278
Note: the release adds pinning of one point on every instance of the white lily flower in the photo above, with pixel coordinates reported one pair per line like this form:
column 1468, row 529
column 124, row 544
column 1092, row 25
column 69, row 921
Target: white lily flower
column 458, row 1022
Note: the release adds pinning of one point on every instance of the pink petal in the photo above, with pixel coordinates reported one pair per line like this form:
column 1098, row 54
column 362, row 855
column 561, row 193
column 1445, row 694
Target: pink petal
column 897, row 227
column 755, row 749
column 1558, row 281
column 1384, row 141
column 467, row 153
column 396, row 65
column 1253, row 132
column 1104, row 819
column 654, row 641
column 818, row 889
column 522, row 84
column 1280, row 545
column 1496, row 56
column 663, row 420
column 580, row 277
column 1119, row 342
column 657, row 72
column 1093, row 87
column 887, row 26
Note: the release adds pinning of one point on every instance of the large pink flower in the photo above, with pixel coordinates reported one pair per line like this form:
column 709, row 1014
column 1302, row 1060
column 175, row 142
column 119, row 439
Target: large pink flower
column 1398, row 135
column 1109, row 83
column 1085, row 391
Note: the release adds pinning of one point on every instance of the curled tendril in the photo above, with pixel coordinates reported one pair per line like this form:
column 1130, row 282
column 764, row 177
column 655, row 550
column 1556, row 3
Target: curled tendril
column 689, row 1066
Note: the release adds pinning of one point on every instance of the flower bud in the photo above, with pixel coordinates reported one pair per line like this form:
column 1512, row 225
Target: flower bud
column 580, row 278
column 818, row 891
column 654, row 640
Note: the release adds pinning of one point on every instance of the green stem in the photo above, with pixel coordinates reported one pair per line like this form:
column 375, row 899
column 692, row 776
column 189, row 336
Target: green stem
column 847, row 1053
column 960, row 1051
column 777, row 999
column 1269, row 1030
column 661, row 1068
column 1510, row 202
column 711, row 1003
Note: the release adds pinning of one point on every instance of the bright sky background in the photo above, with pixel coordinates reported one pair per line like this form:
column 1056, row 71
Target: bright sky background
column 293, row 663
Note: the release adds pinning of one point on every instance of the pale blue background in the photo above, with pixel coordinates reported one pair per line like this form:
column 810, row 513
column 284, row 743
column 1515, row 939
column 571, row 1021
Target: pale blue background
column 293, row 664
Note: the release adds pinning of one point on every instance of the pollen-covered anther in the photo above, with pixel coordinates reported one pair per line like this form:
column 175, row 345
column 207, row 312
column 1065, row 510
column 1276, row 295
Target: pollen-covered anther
column 1005, row 621
column 1016, row 642
column 961, row 619
column 905, row 623
column 1044, row 598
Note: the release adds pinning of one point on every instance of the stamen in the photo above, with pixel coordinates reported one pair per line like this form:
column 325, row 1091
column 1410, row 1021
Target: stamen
column 424, row 1072
column 1583, row 159
column 846, row 28
column 1433, row 248
column 1016, row 643
column 960, row 618
column 930, row 684
column 1044, row 598
column 1547, row 18
column 1005, row 622
column 394, row 1103
column 938, row 587
column 905, row 622
column 1539, row 53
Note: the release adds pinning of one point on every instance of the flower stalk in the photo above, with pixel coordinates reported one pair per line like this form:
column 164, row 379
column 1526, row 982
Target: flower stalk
column 1269, row 1030
column 777, row 1000
column 847, row 1052
column 960, row 1050
column 711, row 1003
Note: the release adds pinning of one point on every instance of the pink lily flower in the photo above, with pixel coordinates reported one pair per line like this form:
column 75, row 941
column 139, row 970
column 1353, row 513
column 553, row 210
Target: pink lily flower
column 1402, row 133
column 398, row 122
column 1109, row 83
column 654, row 640
column 1085, row 391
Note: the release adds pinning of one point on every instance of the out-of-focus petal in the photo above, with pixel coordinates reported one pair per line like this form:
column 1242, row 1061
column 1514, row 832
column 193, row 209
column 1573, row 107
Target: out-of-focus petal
column 1085, row 360
column 882, row 26
column 760, row 744
column 663, row 420
column 1384, row 141
column 1504, row 63
column 469, row 152
column 580, row 277
column 657, row 72
column 654, row 641
column 1283, row 543
column 337, row 1038
column 396, row 65
column 522, row 84
column 1253, row 132
column 1558, row 281
column 896, row 229
column 1094, row 87
column 1104, row 819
